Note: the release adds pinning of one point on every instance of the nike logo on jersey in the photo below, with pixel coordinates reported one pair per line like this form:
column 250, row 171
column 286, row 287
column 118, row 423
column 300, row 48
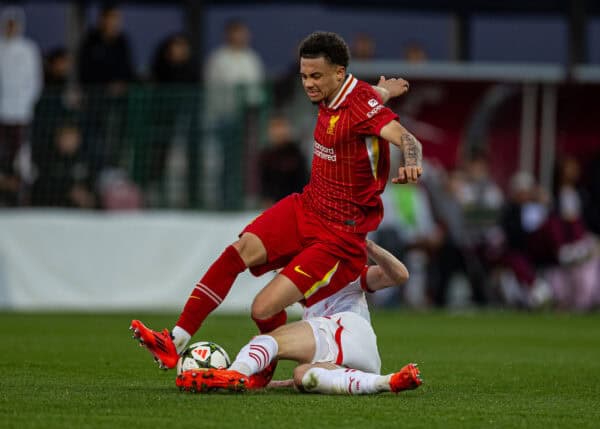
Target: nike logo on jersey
column 299, row 270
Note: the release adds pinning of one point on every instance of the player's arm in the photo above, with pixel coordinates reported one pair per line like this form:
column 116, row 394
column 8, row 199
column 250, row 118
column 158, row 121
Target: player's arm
column 411, row 149
column 389, row 271
column 391, row 88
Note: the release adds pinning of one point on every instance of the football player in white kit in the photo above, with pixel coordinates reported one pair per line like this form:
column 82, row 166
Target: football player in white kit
column 334, row 344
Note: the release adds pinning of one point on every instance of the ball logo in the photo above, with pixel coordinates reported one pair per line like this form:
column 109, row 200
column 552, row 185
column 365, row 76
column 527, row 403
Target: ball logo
column 201, row 353
column 372, row 102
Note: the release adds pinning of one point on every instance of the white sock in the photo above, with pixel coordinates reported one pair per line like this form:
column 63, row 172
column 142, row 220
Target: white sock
column 344, row 381
column 181, row 338
column 256, row 355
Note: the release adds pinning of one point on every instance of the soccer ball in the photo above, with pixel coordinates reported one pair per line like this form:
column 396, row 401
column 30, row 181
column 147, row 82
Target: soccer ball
column 203, row 355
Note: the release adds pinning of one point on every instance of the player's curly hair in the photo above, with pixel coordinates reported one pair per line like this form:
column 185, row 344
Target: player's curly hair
column 325, row 44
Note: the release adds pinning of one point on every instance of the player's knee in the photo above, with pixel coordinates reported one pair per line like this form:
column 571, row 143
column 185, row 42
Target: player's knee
column 251, row 250
column 262, row 309
column 299, row 372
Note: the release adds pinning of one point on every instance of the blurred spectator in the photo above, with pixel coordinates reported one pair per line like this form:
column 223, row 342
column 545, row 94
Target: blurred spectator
column 409, row 231
column 64, row 176
column 232, row 67
column 285, row 86
column 414, row 53
column 117, row 191
column 173, row 61
column 591, row 203
column 522, row 220
column 58, row 66
column 234, row 76
column 173, row 113
column 20, row 86
column 59, row 103
column 362, row 47
column 480, row 196
column 455, row 254
column 282, row 166
column 104, row 70
column 481, row 200
column 575, row 265
column 104, row 55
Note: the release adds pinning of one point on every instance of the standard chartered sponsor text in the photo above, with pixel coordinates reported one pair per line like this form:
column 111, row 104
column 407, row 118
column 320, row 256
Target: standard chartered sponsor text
column 323, row 152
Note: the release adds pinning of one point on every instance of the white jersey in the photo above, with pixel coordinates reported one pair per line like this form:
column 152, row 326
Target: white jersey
column 349, row 299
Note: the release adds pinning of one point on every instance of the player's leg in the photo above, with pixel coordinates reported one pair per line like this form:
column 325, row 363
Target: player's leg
column 260, row 247
column 326, row 378
column 313, row 270
column 292, row 342
column 248, row 371
column 299, row 341
column 356, row 343
column 347, row 340
column 214, row 286
column 278, row 294
column 207, row 295
column 316, row 270
column 322, row 264
column 268, row 312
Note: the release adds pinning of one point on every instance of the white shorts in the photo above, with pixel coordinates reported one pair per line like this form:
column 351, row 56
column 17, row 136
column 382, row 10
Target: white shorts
column 346, row 339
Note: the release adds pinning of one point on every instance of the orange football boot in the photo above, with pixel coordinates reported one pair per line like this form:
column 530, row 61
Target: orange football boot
column 409, row 377
column 210, row 380
column 159, row 344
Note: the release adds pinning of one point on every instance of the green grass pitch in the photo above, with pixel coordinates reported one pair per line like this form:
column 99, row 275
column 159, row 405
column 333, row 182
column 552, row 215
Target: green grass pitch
column 489, row 369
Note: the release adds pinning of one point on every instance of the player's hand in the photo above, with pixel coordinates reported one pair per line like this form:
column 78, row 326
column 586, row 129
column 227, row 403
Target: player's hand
column 395, row 86
column 408, row 174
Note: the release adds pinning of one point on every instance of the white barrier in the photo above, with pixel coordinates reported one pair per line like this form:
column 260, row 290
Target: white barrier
column 70, row 260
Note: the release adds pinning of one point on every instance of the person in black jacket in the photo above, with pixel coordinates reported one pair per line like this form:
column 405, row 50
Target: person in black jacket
column 173, row 61
column 104, row 71
column 104, row 55
column 174, row 101
column 64, row 177
column 282, row 165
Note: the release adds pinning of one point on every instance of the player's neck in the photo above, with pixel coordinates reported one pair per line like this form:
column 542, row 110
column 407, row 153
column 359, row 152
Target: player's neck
column 329, row 99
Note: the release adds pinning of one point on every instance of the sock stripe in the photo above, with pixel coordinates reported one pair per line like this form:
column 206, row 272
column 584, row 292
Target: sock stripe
column 338, row 341
column 350, row 381
column 261, row 350
column 208, row 292
column 219, row 278
column 256, row 358
column 205, row 293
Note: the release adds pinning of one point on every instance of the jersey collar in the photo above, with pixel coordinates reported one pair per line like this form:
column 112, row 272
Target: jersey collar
column 347, row 88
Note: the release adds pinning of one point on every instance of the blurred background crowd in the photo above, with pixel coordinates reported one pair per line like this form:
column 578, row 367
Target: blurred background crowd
column 508, row 211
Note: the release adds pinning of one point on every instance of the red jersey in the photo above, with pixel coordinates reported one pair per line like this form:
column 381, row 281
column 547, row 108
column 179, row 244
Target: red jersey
column 351, row 163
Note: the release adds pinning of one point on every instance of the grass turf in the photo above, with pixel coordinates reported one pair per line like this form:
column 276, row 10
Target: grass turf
column 481, row 370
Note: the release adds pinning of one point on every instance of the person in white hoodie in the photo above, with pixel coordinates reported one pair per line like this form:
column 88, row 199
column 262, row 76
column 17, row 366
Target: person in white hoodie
column 20, row 87
column 234, row 77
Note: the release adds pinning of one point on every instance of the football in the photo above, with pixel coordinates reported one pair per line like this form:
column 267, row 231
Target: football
column 203, row 355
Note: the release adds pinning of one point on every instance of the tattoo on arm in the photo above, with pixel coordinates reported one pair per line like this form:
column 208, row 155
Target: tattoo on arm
column 411, row 148
column 401, row 160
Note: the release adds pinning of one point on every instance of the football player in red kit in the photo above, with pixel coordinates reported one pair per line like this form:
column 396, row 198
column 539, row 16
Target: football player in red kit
column 318, row 236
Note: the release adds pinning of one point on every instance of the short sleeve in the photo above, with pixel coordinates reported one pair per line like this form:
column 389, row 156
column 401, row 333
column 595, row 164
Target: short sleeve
column 369, row 115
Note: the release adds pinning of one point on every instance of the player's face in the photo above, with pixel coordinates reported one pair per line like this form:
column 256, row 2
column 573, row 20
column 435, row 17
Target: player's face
column 321, row 79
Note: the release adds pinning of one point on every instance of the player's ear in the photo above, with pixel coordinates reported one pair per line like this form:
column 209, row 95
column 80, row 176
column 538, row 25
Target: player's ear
column 340, row 73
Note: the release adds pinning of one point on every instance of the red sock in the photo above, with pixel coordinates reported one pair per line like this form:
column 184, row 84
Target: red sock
column 273, row 322
column 211, row 290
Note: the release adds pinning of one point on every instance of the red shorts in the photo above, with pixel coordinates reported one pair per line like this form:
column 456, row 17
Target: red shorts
column 319, row 259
